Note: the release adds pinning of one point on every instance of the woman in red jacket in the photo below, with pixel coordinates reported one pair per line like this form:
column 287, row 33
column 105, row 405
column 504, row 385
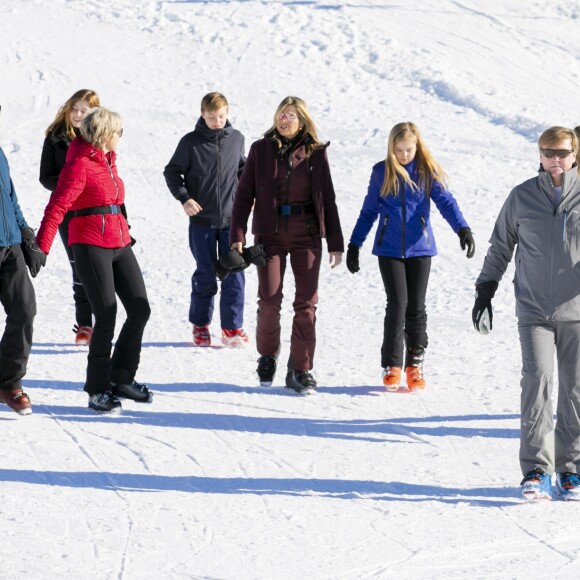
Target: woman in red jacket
column 286, row 179
column 90, row 187
column 59, row 134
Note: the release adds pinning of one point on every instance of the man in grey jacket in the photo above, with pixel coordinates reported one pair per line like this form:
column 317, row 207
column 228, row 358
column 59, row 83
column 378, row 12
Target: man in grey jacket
column 540, row 220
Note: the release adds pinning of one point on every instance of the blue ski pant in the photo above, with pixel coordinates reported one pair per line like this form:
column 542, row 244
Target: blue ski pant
column 206, row 244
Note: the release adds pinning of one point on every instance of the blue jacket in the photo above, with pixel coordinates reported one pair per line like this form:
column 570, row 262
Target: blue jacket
column 11, row 218
column 404, row 220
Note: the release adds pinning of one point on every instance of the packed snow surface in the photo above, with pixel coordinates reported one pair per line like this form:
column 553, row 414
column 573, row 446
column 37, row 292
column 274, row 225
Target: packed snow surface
column 222, row 479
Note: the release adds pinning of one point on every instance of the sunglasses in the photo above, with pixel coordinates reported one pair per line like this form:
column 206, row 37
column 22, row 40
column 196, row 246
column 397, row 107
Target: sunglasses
column 559, row 153
column 120, row 133
column 289, row 116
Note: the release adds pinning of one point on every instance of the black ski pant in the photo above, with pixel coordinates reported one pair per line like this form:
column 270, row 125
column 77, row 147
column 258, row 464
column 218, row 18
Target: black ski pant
column 405, row 281
column 83, row 312
column 19, row 302
column 105, row 273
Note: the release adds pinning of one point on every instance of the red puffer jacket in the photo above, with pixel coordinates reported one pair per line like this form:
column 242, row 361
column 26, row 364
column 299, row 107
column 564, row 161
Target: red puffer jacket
column 89, row 179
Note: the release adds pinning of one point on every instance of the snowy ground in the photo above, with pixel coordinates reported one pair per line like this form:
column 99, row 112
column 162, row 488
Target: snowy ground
column 222, row 479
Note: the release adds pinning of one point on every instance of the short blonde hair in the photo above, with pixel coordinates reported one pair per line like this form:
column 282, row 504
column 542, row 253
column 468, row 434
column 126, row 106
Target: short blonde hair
column 98, row 126
column 554, row 135
column 213, row 102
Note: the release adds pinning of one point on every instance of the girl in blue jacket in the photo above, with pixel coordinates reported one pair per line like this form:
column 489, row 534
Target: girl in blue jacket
column 400, row 192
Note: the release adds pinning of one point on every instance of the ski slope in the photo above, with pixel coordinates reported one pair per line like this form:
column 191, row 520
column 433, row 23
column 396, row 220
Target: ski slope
column 221, row 479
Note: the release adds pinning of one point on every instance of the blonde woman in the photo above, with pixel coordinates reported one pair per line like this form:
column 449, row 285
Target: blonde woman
column 91, row 188
column 286, row 179
column 58, row 136
column 400, row 192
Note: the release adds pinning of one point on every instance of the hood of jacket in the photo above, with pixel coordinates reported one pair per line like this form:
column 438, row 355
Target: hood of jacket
column 213, row 134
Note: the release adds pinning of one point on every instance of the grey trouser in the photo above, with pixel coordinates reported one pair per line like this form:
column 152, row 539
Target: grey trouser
column 540, row 444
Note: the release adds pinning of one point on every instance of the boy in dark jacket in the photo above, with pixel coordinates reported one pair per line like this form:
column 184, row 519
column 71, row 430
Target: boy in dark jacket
column 17, row 250
column 203, row 175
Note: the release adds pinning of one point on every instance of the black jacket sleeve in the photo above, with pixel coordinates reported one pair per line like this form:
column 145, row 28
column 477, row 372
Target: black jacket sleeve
column 49, row 167
column 175, row 171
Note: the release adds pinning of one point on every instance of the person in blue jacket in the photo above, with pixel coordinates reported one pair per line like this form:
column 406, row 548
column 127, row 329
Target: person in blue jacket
column 399, row 195
column 18, row 249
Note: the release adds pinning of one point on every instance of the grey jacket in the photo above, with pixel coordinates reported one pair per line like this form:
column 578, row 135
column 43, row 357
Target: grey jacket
column 547, row 261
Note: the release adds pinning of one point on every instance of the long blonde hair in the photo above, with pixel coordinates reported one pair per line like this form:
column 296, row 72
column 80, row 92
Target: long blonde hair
column 306, row 122
column 61, row 126
column 427, row 168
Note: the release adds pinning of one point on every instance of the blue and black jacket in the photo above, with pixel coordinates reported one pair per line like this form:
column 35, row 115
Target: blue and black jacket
column 404, row 220
column 11, row 218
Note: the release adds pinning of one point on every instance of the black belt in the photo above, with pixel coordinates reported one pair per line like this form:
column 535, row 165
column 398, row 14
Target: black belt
column 103, row 209
column 296, row 209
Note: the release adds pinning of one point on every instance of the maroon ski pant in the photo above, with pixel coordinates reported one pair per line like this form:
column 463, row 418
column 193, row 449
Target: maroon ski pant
column 299, row 240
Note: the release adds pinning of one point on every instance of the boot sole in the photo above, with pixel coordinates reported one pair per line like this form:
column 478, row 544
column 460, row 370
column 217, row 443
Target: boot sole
column 128, row 398
column 304, row 392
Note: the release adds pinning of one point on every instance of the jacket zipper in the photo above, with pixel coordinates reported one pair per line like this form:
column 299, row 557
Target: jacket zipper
column 404, row 218
column 287, row 197
column 219, row 172
column 116, row 199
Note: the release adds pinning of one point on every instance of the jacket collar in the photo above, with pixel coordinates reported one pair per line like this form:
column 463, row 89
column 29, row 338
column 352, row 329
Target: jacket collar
column 212, row 134
column 81, row 148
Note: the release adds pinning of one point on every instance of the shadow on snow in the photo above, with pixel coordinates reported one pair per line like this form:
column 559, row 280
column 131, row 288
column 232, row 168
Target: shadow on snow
column 397, row 429
column 328, row 488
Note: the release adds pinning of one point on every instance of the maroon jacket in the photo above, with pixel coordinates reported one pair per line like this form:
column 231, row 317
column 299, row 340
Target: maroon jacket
column 88, row 179
column 258, row 187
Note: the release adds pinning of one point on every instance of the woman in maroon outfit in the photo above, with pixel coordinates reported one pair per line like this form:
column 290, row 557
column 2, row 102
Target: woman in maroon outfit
column 287, row 181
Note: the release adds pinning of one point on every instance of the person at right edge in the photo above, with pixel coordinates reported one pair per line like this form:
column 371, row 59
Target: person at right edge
column 540, row 220
column 287, row 177
column 400, row 192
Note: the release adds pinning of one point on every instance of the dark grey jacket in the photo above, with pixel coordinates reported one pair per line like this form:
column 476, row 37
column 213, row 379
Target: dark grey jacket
column 206, row 167
column 547, row 259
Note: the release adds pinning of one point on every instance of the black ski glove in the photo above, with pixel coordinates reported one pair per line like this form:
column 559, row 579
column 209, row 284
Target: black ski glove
column 233, row 261
column 255, row 255
column 466, row 241
column 482, row 313
column 34, row 257
column 352, row 258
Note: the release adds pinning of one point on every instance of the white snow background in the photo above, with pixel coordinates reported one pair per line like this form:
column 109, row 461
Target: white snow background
column 219, row 478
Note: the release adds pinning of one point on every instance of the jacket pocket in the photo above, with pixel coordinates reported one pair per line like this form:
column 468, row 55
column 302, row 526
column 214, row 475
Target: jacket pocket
column 425, row 231
column 383, row 231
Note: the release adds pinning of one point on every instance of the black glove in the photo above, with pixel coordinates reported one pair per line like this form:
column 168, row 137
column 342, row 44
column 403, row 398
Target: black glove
column 220, row 271
column 233, row 261
column 352, row 259
column 466, row 241
column 255, row 255
column 34, row 257
column 482, row 314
